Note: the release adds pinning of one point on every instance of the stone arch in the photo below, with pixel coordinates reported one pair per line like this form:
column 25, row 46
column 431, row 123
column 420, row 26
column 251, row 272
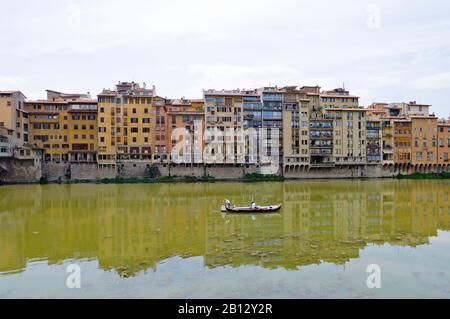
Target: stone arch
column 407, row 168
column 391, row 168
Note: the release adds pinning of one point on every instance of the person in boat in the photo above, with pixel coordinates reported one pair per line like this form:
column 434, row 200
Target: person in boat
column 254, row 206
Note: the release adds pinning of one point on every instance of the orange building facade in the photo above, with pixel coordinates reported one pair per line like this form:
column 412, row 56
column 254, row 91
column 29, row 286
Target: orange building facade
column 444, row 142
column 424, row 140
column 185, row 128
column 402, row 141
column 66, row 131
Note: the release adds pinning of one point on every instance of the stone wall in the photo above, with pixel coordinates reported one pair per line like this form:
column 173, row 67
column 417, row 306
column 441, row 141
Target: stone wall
column 56, row 172
column 86, row 172
column 361, row 171
column 64, row 172
column 143, row 169
column 14, row 170
column 133, row 169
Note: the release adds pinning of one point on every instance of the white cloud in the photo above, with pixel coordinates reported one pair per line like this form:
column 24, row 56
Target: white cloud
column 229, row 76
column 185, row 46
column 11, row 82
column 435, row 81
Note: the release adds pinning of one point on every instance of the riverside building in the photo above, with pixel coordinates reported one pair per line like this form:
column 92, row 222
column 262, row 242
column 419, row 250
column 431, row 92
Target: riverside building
column 14, row 126
column 124, row 123
column 65, row 128
column 299, row 128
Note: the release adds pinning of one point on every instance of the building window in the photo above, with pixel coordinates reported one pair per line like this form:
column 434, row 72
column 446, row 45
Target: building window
column 418, row 156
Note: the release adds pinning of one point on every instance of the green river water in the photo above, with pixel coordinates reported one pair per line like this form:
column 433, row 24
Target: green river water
column 172, row 241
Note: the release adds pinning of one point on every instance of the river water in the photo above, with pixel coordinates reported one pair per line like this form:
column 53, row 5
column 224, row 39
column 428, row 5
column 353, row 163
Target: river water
column 172, row 241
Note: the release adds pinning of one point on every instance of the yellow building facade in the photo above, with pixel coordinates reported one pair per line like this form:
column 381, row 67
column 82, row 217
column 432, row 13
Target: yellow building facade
column 14, row 124
column 66, row 131
column 424, row 140
column 124, row 123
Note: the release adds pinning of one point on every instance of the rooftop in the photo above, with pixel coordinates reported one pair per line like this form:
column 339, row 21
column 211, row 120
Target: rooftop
column 129, row 89
column 237, row 92
column 414, row 103
column 339, row 92
column 10, row 92
column 351, row 109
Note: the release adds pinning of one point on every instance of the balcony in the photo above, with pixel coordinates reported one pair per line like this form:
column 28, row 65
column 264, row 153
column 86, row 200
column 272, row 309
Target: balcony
column 323, row 164
column 373, row 136
column 321, row 146
column 321, row 126
column 321, row 152
column 321, row 135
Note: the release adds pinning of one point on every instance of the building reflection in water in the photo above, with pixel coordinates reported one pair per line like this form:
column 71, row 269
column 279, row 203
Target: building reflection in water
column 137, row 226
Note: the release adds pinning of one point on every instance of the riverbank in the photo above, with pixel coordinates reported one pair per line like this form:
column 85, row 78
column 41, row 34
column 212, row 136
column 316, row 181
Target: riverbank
column 25, row 172
column 425, row 176
column 163, row 179
column 249, row 178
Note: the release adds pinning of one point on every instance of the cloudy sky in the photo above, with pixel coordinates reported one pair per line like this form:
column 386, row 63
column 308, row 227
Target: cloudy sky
column 395, row 50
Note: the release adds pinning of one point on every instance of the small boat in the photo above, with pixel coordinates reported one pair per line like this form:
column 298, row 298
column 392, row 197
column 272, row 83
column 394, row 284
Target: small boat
column 258, row 209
